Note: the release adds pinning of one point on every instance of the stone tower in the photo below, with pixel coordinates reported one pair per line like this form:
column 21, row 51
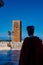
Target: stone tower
column 16, row 31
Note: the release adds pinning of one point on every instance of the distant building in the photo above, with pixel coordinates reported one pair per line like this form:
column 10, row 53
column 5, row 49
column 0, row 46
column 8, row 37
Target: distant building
column 16, row 31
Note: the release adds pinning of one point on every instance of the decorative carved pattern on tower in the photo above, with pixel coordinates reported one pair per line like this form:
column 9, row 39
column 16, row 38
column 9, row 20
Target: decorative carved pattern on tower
column 16, row 36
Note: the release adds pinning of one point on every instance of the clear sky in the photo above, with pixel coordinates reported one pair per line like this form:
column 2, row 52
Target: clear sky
column 30, row 12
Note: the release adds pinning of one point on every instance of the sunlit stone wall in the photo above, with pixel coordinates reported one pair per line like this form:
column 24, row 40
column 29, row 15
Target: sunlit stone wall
column 16, row 29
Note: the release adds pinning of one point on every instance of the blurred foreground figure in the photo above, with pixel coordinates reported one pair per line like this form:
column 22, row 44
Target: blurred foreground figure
column 31, row 52
column 1, row 3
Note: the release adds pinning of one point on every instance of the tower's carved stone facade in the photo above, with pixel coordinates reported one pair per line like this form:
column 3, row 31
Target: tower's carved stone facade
column 16, row 31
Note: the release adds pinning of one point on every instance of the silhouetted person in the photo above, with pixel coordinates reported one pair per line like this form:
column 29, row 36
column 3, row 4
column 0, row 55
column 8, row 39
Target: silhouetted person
column 31, row 51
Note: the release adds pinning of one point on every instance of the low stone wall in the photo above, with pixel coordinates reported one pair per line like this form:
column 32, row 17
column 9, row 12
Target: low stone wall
column 14, row 46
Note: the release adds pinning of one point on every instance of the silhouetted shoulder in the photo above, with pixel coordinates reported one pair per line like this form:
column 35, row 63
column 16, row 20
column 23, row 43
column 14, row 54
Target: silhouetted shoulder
column 25, row 41
column 37, row 38
column 27, row 38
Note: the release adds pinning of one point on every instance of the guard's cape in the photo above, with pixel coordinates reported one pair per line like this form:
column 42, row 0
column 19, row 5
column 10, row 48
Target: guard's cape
column 31, row 52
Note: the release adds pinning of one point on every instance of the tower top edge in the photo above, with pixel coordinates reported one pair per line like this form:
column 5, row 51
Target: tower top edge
column 16, row 21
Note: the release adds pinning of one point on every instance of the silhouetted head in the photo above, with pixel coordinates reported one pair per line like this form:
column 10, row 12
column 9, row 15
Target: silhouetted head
column 30, row 30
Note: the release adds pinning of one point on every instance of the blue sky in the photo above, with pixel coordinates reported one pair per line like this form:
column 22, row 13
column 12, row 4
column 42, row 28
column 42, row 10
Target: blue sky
column 30, row 12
